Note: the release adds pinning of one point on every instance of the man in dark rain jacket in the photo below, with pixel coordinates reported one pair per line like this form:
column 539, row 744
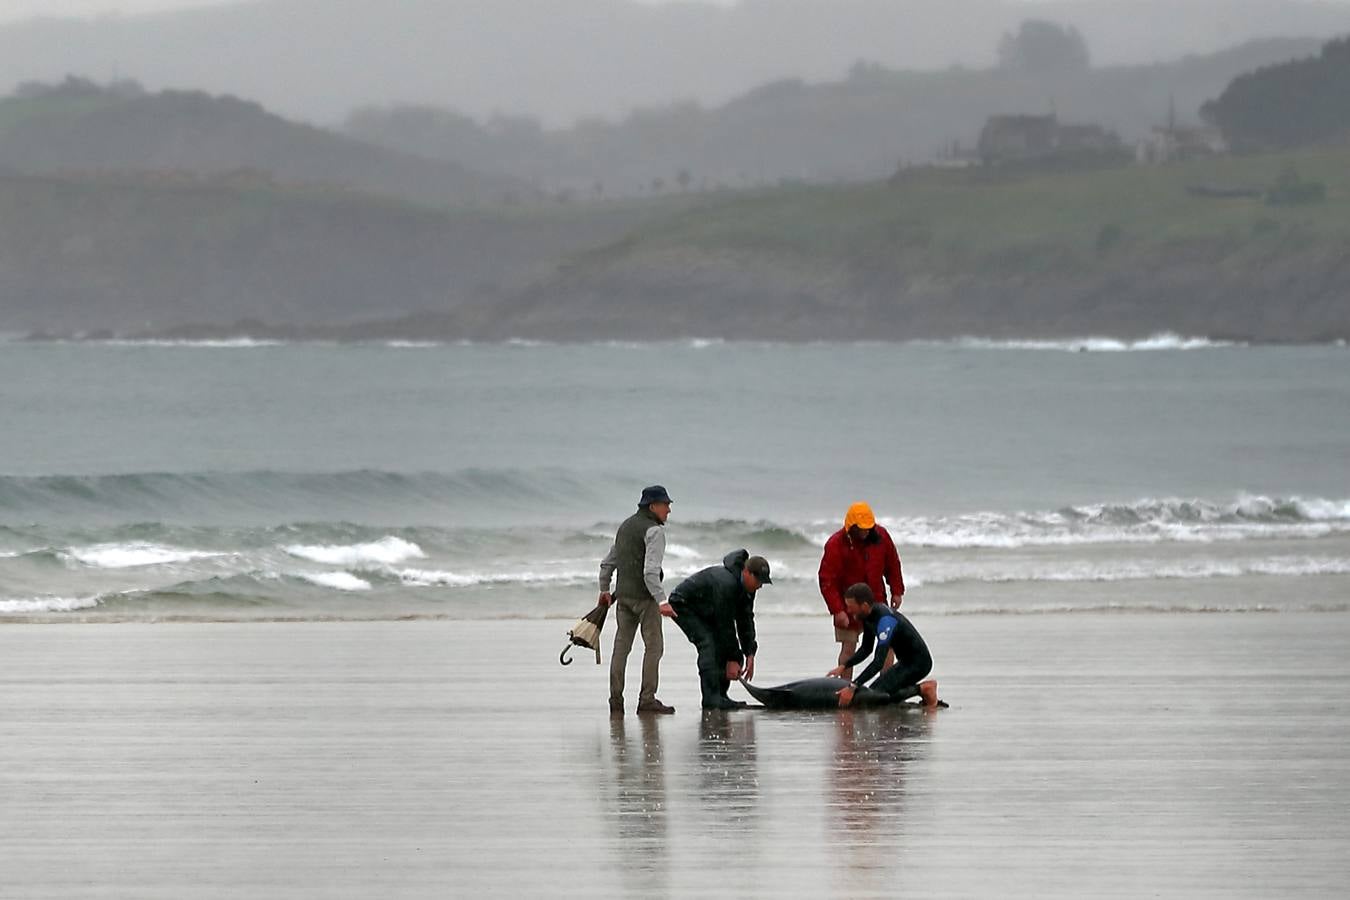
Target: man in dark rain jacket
column 715, row 608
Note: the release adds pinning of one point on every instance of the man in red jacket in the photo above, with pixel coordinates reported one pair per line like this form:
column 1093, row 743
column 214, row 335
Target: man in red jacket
column 861, row 551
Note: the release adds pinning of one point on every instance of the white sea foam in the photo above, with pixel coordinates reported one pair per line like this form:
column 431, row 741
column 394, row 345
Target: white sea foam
column 682, row 551
column 239, row 343
column 22, row 606
column 1147, row 521
column 1161, row 341
column 575, row 576
column 1320, row 510
column 434, row 578
column 339, row 581
column 134, row 554
column 387, row 550
column 441, row 578
column 1128, row 570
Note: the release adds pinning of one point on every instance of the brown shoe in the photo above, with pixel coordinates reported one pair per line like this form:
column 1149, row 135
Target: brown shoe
column 928, row 691
column 616, row 706
column 655, row 706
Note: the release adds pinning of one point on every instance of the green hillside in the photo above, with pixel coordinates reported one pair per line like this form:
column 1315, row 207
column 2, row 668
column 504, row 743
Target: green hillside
column 977, row 220
column 78, row 126
column 148, row 253
column 938, row 253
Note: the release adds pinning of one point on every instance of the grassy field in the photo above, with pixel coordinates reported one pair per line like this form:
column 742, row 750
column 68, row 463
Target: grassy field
column 975, row 220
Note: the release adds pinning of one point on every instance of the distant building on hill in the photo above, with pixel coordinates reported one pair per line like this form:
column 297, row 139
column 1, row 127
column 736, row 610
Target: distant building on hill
column 1174, row 143
column 1166, row 144
column 1029, row 139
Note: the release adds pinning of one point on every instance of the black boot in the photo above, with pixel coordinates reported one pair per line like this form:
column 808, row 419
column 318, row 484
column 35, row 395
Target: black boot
column 735, row 704
column 712, row 686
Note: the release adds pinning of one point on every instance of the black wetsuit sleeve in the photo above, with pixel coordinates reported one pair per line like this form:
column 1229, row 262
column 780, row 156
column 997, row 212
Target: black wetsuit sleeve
column 864, row 649
column 886, row 628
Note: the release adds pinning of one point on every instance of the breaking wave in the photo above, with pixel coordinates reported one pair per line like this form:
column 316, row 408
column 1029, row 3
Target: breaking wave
column 338, row 581
column 1151, row 521
column 134, row 555
column 386, row 550
column 315, row 569
column 35, row 605
column 1088, row 572
column 206, row 496
column 1145, row 521
column 1157, row 342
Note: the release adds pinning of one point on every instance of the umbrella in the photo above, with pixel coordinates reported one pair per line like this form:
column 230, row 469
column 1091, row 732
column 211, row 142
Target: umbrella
column 586, row 633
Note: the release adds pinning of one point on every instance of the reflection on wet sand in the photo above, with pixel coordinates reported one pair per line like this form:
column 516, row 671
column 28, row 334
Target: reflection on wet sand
column 872, row 754
column 636, row 810
column 727, row 785
column 728, row 774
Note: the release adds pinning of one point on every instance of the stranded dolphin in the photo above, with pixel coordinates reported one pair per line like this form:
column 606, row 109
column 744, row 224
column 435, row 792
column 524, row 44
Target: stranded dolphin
column 816, row 693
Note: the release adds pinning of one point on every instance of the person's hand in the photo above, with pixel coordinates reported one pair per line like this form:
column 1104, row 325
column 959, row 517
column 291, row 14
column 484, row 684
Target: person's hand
column 668, row 611
column 836, row 672
column 606, row 598
column 841, row 620
column 846, row 696
column 749, row 668
column 896, row 600
column 733, row 670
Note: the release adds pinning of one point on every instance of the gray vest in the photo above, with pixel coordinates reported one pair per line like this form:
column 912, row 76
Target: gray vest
column 631, row 555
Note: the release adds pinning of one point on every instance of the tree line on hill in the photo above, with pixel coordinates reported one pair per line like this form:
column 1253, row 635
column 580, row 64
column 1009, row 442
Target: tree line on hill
column 1291, row 104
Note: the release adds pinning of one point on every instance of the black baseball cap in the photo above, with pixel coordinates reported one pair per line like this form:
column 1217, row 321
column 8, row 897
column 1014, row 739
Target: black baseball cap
column 758, row 566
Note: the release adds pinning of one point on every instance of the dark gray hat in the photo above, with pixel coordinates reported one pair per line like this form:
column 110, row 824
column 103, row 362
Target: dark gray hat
column 654, row 494
column 758, row 566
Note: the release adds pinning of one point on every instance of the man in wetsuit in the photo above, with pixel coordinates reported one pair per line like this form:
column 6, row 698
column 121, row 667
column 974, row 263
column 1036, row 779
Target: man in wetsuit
column 715, row 608
column 885, row 630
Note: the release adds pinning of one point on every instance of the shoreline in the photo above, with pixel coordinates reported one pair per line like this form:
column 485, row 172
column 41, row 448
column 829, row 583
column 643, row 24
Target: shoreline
column 285, row 336
column 65, row 621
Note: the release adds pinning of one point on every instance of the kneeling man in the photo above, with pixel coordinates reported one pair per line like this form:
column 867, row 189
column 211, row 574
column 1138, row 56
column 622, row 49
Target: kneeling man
column 885, row 630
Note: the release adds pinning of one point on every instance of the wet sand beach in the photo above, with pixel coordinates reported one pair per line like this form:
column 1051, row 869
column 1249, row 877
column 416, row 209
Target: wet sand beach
column 1124, row 755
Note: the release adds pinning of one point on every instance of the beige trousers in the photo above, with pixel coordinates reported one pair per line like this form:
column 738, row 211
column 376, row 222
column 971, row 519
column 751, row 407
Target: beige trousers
column 633, row 615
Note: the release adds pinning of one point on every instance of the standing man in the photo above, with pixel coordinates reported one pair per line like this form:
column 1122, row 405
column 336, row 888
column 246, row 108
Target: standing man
column 860, row 552
column 715, row 608
column 637, row 554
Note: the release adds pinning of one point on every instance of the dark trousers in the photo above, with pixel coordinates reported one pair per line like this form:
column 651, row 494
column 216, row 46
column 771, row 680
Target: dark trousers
column 902, row 679
column 712, row 668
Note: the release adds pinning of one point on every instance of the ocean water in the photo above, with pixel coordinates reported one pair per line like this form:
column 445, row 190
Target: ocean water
column 244, row 480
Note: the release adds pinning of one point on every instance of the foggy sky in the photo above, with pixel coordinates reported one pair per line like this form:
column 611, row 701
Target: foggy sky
column 15, row 10
column 563, row 59
column 12, row 10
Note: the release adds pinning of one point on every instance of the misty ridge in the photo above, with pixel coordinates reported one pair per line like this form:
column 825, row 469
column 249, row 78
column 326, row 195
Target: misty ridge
column 1035, row 181
column 77, row 126
column 563, row 60
column 859, row 126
